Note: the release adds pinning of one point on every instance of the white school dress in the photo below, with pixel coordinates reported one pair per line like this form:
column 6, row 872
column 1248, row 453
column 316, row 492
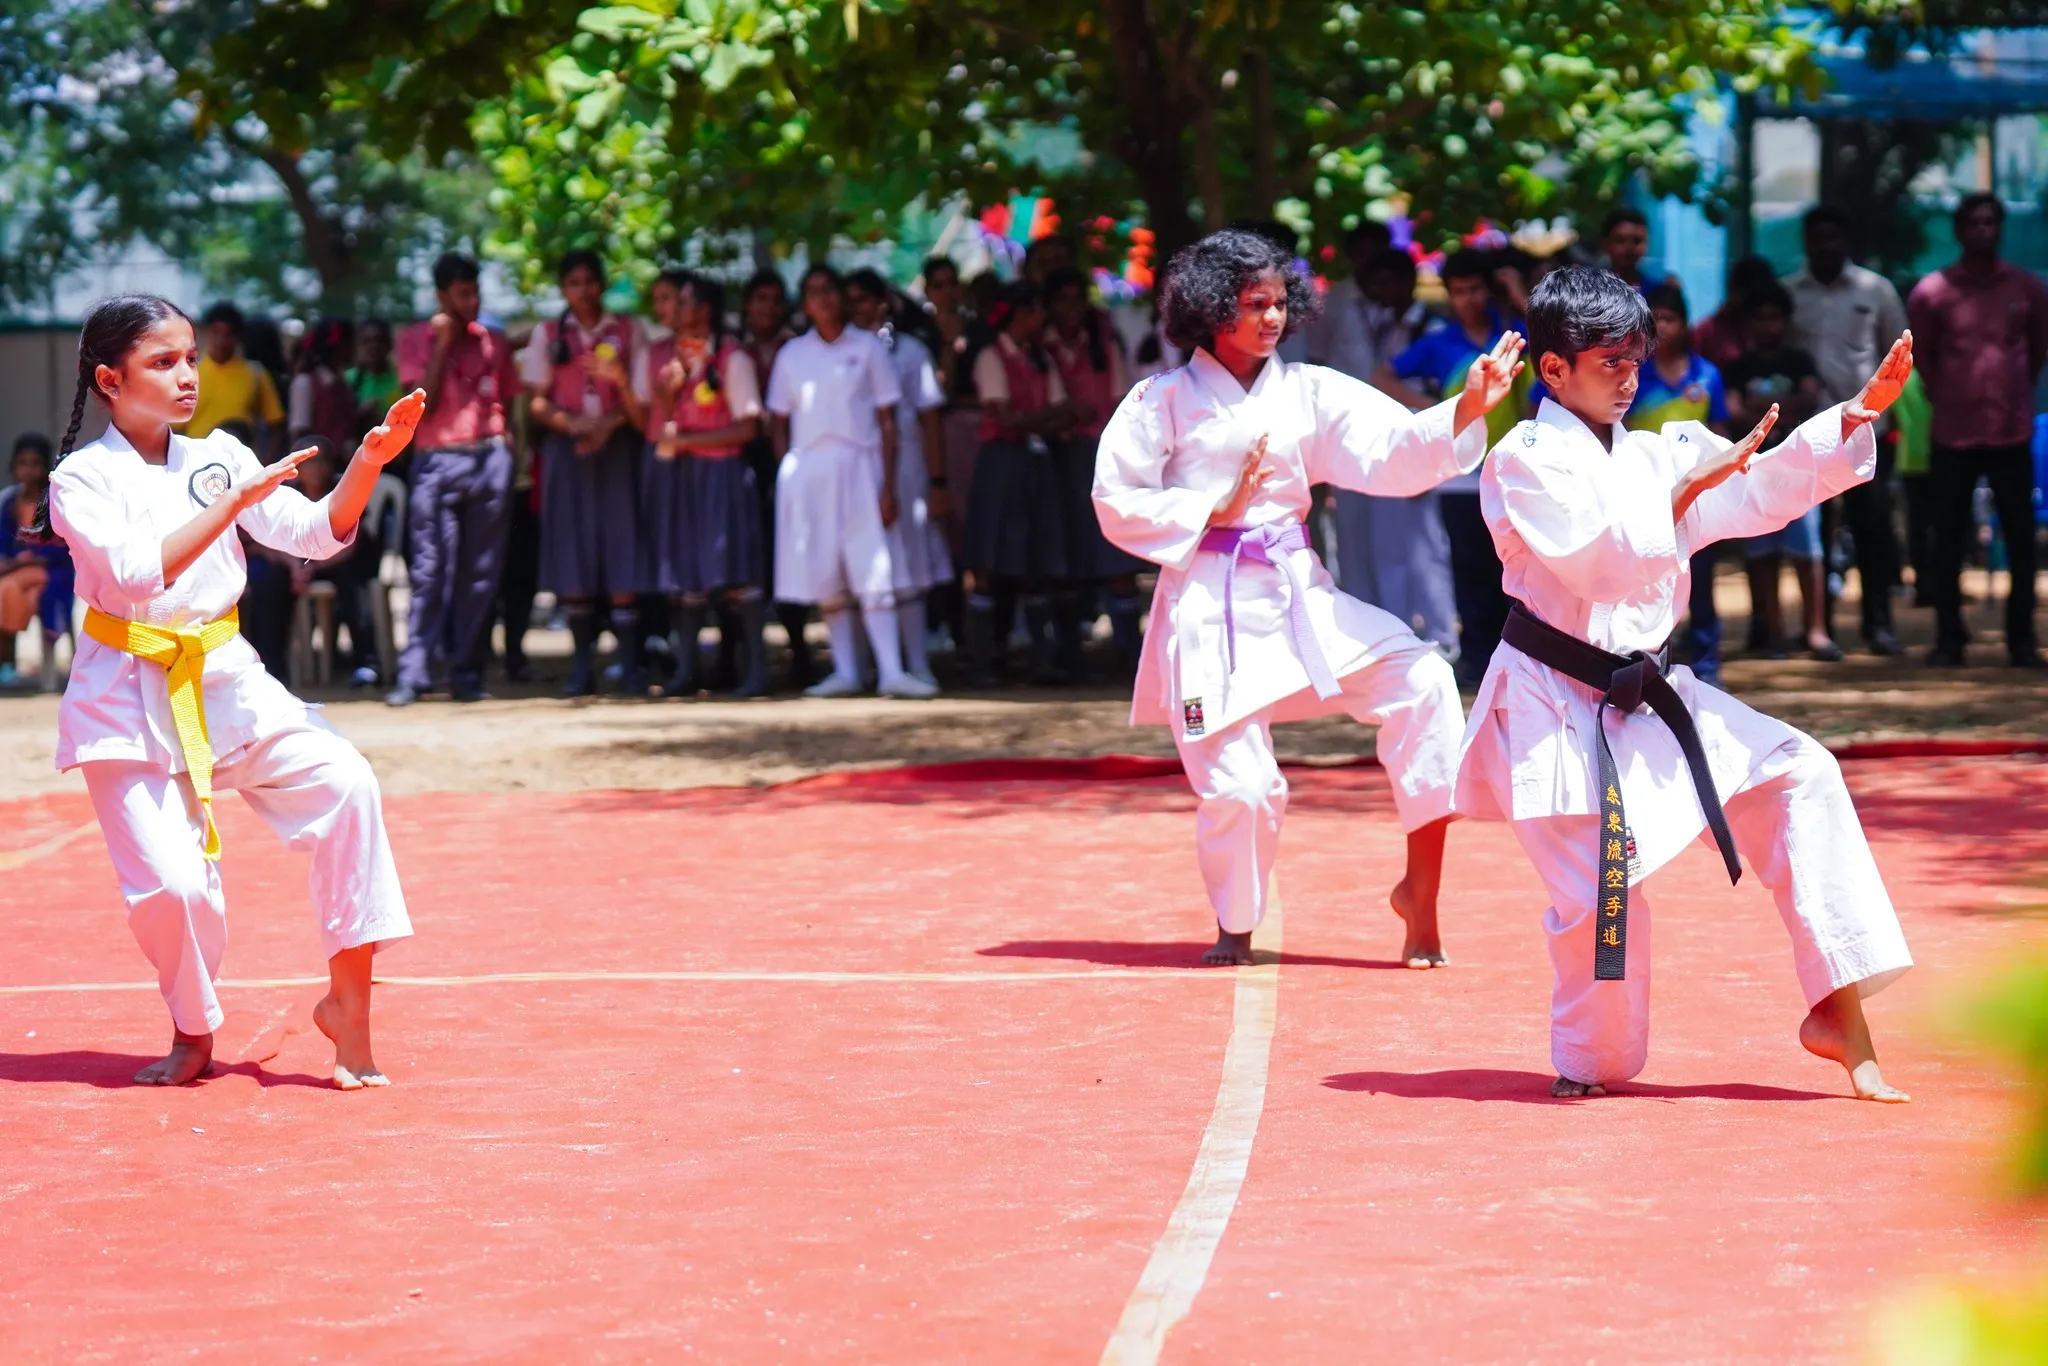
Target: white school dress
column 1587, row 543
column 829, row 540
column 114, row 509
column 1170, row 456
column 917, row 547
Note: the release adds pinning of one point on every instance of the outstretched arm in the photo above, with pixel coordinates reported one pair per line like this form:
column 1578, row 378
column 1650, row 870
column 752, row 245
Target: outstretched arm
column 1367, row 442
column 380, row 446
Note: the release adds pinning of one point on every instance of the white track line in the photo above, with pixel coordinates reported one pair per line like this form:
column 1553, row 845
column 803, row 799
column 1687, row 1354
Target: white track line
column 1180, row 1259
column 488, row 978
column 20, row 858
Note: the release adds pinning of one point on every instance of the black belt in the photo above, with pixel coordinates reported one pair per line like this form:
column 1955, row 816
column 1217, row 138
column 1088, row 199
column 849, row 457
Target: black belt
column 1625, row 682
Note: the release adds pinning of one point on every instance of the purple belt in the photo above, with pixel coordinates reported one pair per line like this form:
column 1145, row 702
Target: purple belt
column 1272, row 544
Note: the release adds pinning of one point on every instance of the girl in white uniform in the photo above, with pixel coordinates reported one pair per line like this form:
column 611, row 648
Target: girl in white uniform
column 918, row 558
column 1206, row 471
column 1596, row 526
column 832, row 400
column 166, row 702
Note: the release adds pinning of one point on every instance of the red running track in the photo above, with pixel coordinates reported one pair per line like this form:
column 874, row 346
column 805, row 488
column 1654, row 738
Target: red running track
column 976, row 1166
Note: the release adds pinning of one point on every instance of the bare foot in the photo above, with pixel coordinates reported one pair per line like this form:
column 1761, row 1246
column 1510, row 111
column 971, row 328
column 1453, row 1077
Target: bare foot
column 1836, row 1030
column 1564, row 1088
column 1231, row 951
column 1424, row 946
column 190, row 1058
column 350, row 1031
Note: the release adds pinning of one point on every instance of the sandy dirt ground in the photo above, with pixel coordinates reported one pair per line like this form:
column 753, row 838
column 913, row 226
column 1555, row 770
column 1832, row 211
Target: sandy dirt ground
column 529, row 740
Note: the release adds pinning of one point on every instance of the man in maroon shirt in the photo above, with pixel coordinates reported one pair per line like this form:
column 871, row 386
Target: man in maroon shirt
column 461, row 502
column 1980, row 334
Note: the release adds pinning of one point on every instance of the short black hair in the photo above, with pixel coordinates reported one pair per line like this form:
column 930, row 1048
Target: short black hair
column 1580, row 308
column 932, row 263
column 765, row 278
column 1623, row 213
column 224, row 312
column 1669, row 296
column 1465, row 265
column 1976, row 200
column 33, row 441
column 831, row 276
column 1825, row 215
column 1392, row 261
column 454, row 268
column 1369, row 230
column 1774, row 295
column 1748, row 275
column 868, row 280
column 1204, row 280
column 582, row 257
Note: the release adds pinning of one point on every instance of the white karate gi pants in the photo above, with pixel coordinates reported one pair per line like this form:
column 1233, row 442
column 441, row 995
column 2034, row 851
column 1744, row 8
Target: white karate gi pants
column 1797, row 829
column 830, row 546
column 1409, row 690
column 312, row 788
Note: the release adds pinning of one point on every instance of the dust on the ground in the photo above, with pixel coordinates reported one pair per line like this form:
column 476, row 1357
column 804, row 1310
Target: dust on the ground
column 542, row 743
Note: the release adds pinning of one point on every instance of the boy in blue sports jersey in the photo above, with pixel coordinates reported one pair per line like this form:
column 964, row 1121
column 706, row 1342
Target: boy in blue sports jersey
column 1430, row 370
column 1680, row 385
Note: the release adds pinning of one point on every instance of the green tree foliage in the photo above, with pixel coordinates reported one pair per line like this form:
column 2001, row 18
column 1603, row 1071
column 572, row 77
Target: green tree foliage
column 118, row 127
column 644, row 122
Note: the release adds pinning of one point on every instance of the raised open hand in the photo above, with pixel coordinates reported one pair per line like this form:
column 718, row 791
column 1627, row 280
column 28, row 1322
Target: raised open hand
column 1723, row 467
column 1490, row 379
column 382, row 443
column 1251, row 478
column 1883, row 388
column 271, row 477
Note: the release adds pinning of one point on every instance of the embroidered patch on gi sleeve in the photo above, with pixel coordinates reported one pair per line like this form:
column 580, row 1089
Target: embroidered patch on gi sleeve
column 1191, row 717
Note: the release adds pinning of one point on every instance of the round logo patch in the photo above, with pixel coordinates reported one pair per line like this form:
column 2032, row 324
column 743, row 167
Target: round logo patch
column 209, row 482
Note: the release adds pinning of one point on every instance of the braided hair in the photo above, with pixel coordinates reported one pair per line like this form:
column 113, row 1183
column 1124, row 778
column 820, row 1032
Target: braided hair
column 110, row 332
column 581, row 258
column 711, row 294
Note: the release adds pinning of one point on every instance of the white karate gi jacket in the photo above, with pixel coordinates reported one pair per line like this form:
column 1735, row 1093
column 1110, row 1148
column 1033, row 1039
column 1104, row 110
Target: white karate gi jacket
column 114, row 509
column 1587, row 543
column 1171, row 455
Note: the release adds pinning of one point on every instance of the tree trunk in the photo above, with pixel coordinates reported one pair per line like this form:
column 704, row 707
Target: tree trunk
column 326, row 250
column 1151, row 142
column 1265, row 178
column 1209, row 164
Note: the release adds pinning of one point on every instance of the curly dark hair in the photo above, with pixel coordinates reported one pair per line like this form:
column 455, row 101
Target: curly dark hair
column 1203, row 282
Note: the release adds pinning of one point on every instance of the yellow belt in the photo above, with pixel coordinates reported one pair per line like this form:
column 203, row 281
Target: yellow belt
column 182, row 655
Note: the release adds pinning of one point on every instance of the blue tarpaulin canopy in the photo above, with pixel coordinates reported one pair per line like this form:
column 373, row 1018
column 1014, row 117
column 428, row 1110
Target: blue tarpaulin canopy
column 1922, row 86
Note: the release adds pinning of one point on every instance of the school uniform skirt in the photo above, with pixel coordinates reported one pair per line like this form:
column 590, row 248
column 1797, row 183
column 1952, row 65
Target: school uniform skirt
column 1092, row 554
column 918, row 558
column 590, row 534
column 1018, row 523
column 703, row 524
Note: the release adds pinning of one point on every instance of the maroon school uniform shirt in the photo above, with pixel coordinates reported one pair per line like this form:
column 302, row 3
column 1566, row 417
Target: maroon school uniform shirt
column 1979, row 341
column 477, row 381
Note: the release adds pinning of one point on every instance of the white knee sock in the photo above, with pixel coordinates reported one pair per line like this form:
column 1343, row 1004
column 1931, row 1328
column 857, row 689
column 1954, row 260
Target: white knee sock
column 881, row 624
column 845, row 638
column 910, row 624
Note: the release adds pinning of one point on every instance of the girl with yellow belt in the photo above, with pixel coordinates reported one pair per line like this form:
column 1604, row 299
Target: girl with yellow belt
column 167, row 702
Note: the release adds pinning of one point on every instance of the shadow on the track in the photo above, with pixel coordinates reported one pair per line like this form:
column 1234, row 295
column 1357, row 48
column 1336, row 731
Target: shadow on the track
column 1533, row 1088
column 1119, row 953
column 116, row 1071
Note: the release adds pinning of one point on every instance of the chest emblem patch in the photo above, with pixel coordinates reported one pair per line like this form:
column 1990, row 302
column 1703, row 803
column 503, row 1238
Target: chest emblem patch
column 209, row 482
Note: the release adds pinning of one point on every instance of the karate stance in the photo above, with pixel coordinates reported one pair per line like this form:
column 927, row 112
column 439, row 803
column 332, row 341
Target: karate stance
column 1206, row 471
column 167, row 702
column 1607, row 764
